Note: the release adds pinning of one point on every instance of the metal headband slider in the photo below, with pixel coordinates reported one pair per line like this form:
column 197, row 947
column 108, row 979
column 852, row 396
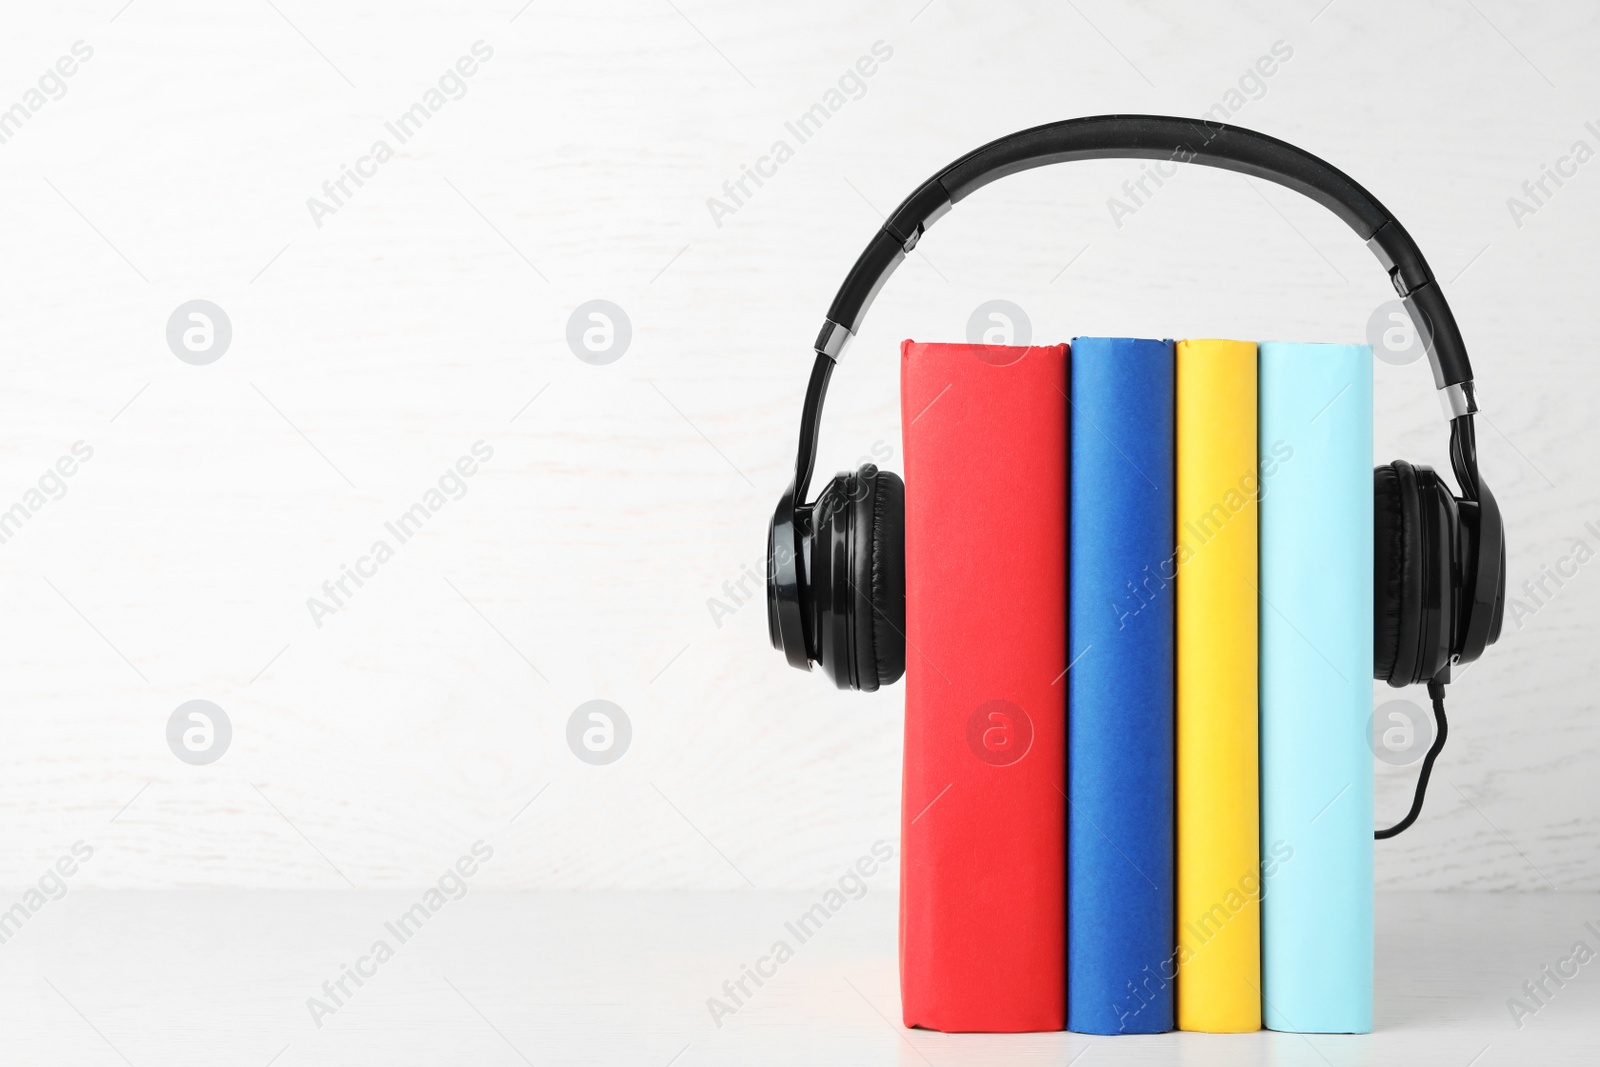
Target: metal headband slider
column 831, row 341
column 1459, row 399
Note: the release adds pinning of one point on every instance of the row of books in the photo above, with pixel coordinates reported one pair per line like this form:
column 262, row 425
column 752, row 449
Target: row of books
column 1138, row 782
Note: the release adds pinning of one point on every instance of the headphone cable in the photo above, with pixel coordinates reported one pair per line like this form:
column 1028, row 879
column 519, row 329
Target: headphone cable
column 1436, row 691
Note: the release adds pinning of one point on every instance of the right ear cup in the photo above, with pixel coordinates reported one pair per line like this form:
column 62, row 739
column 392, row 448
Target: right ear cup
column 1388, row 556
column 1414, row 580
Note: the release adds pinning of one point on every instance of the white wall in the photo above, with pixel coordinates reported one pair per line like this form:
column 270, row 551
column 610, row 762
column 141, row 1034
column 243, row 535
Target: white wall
column 424, row 315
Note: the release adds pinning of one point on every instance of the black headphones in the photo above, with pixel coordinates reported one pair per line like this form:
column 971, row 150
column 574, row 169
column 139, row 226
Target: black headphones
column 836, row 567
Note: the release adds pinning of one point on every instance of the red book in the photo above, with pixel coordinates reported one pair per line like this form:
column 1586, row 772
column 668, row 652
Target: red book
column 983, row 827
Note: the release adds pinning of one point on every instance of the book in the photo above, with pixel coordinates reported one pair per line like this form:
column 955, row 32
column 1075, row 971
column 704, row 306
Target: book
column 1120, row 962
column 983, row 850
column 1218, row 854
column 1316, row 685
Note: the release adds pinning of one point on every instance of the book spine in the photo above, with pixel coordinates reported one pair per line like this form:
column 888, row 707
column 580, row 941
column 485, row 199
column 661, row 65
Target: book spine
column 1120, row 962
column 982, row 926
column 1316, row 686
column 1218, row 877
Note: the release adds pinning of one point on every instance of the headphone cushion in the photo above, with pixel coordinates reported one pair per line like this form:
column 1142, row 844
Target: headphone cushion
column 888, row 577
column 1388, row 571
column 877, row 577
column 860, row 492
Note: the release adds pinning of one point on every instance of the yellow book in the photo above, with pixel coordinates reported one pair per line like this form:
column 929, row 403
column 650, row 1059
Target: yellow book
column 1218, row 869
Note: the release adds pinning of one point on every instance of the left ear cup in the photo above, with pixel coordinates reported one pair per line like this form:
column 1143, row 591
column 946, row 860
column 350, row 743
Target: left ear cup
column 856, row 581
column 888, row 579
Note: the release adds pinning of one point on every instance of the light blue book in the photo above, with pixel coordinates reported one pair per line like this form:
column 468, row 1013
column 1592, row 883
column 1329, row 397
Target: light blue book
column 1316, row 686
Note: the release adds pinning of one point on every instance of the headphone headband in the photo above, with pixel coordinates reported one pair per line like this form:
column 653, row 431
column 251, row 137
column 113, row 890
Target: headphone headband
column 1210, row 144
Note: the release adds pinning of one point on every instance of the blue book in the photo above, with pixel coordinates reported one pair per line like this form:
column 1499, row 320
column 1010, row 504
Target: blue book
column 1316, row 686
column 1120, row 593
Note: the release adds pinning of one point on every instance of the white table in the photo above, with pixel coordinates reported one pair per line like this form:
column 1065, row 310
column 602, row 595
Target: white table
column 501, row 978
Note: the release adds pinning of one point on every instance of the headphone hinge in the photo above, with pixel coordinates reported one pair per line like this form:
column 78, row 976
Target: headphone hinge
column 1400, row 258
column 917, row 212
column 1399, row 282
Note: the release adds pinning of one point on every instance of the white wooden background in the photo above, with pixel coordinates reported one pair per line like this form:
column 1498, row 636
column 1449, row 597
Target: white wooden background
column 430, row 311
